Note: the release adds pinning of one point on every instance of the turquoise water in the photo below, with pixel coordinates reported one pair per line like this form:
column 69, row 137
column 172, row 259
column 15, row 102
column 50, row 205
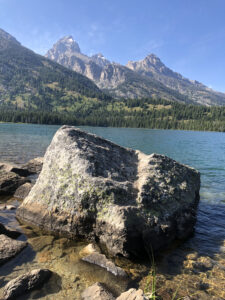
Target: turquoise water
column 204, row 151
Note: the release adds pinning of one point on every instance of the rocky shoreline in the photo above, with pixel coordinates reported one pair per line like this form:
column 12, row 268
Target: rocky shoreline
column 127, row 202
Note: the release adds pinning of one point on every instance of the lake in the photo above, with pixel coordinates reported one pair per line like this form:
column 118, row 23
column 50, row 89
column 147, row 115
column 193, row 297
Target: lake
column 204, row 151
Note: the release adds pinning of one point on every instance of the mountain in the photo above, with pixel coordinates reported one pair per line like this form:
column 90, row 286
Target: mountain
column 113, row 78
column 145, row 78
column 152, row 67
column 29, row 80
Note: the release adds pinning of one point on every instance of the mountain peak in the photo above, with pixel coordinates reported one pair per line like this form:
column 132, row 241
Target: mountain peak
column 98, row 55
column 68, row 44
column 100, row 60
column 153, row 60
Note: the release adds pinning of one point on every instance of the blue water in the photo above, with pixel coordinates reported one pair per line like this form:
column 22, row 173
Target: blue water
column 204, row 151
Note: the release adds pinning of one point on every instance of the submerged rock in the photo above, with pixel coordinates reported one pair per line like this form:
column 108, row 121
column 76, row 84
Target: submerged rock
column 25, row 283
column 97, row 292
column 89, row 249
column 9, row 248
column 130, row 202
column 102, row 261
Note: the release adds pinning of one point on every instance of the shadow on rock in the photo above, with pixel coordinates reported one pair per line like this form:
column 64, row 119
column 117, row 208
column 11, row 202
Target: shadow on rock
column 52, row 286
column 27, row 255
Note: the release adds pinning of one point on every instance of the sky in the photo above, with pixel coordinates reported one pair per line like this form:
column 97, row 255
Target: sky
column 187, row 35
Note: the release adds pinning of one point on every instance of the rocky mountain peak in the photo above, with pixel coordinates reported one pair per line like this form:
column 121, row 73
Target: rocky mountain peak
column 149, row 62
column 66, row 44
column 153, row 60
column 143, row 78
column 100, row 60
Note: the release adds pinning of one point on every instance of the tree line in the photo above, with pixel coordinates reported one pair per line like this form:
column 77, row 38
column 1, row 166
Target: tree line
column 139, row 113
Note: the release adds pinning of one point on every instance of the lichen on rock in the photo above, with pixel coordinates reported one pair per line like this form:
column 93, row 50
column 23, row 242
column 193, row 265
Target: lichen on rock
column 130, row 202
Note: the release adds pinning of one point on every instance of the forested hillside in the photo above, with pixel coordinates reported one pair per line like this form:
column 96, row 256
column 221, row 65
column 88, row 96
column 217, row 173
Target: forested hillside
column 30, row 81
column 142, row 113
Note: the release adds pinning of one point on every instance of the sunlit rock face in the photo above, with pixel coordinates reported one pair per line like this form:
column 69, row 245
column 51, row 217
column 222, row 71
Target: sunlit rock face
column 130, row 202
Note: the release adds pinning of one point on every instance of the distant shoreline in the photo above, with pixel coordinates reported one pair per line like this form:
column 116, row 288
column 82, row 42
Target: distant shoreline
column 141, row 128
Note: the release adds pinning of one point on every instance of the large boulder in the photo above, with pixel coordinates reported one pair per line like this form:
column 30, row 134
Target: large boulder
column 128, row 201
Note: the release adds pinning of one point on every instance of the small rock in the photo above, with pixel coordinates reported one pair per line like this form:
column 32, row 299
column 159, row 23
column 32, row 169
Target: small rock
column 203, row 264
column 7, row 167
column 9, row 182
column 10, row 207
column 101, row 260
column 132, row 294
column 23, row 190
column 89, row 249
column 97, row 292
column 9, row 248
column 25, row 283
column 9, row 232
column 34, row 166
column 40, row 242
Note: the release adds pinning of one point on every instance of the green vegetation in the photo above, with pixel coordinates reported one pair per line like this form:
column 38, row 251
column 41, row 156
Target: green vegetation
column 139, row 113
column 30, row 81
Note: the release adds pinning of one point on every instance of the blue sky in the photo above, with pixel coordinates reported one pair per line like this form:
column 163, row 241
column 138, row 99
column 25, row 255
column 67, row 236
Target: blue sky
column 187, row 35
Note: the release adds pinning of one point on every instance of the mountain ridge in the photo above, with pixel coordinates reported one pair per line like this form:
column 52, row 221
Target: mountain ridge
column 149, row 71
column 29, row 80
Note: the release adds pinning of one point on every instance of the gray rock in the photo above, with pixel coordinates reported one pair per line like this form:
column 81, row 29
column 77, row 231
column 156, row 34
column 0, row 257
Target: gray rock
column 9, row 232
column 131, row 202
column 101, row 260
column 9, row 248
column 25, row 283
column 23, row 190
column 9, row 181
column 132, row 294
column 34, row 166
column 7, row 167
column 97, row 292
